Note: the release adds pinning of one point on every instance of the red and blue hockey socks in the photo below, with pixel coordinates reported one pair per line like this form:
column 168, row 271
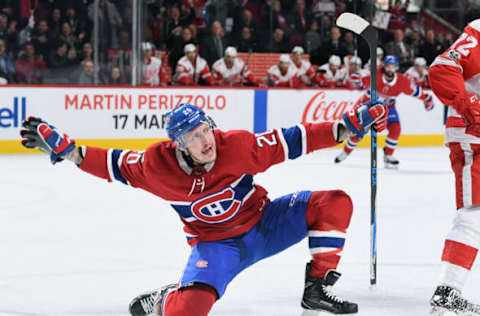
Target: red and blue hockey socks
column 328, row 217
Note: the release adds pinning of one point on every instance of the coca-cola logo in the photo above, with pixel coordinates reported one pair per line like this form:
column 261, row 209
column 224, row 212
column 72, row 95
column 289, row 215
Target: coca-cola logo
column 322, row 109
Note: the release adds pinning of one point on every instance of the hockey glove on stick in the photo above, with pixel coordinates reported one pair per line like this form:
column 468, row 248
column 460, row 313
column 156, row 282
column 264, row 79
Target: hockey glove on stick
column 39, row 134
column 469, row 107
column 359, row 120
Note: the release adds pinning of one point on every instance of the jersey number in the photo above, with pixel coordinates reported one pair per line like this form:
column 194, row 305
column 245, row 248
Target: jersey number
column 134, row 157
column 264, row 139
column 464, row 49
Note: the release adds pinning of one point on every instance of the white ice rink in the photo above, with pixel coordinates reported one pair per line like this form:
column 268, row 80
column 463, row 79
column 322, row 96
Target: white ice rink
column 73, row 245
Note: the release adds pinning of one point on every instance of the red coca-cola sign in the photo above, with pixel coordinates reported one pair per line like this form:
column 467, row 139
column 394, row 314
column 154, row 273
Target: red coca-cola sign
column 321, row 108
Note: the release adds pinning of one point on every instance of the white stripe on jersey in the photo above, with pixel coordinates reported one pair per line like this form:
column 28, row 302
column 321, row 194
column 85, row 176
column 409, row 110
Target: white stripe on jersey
column 467, row 174
column 109, row 164
column 304, row 138
column 284, row 144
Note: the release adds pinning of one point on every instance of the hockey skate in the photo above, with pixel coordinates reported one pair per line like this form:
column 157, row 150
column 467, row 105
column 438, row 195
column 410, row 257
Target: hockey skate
column 144, row 304
column 317, row 295
column 447, row 299
column 341, row 157
column 390, row 162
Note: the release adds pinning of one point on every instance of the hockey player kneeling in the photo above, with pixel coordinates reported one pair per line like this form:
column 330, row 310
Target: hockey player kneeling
column 230, row 223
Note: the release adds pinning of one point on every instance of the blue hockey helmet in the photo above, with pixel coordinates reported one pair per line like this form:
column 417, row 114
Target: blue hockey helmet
column 390, row 60
column 183, row 119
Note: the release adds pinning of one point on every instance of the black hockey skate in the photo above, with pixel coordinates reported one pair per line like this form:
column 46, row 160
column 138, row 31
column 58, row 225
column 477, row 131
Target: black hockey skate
column 341, row 157
column 144, row 304
column 449, row 299
column 317, row 295
column 390, row 162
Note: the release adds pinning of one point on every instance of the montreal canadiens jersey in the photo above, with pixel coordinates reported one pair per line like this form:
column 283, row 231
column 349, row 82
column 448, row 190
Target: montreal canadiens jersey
column 218, row 200
column 389, row 91
column 457, row 70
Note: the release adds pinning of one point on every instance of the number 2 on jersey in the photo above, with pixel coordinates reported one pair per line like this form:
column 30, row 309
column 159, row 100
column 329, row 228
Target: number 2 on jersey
column 467, row 42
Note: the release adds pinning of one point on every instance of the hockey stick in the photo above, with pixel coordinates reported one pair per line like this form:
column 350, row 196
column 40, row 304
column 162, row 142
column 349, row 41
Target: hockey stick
column 361, row 27
column 242, row 79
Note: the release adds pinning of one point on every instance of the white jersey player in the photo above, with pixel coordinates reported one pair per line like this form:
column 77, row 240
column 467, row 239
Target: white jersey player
column 333, row 74
column 305, row 71
column 455, row 79
column 192, row 69
column 232, row 71
column 355, row 73
column 284, row 74
column 152, row 72
column 418, row 72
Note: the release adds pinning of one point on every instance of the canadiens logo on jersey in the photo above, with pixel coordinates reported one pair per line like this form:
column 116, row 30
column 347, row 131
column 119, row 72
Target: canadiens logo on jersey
column 216, row 208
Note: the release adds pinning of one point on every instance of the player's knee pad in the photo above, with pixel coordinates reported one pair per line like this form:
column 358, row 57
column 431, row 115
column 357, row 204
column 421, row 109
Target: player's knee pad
column 394, row 130
column 191, row 301
column 466, row 227
column 329, row 210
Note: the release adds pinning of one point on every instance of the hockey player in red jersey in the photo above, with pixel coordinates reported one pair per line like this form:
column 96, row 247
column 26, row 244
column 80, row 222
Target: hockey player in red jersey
column 390, row 85
column 207, row 177
column 454, row 78
column 192, row 69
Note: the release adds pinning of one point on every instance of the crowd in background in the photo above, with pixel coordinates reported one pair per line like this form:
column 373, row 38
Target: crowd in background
column 51, row 43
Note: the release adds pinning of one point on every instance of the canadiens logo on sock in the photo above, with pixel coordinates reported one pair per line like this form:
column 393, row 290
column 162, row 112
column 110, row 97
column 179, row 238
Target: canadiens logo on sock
column 201, row 264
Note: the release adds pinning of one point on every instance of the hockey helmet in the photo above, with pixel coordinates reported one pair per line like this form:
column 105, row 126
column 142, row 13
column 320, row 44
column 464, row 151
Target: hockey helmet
column 390, row 60
column 420, row 61
column 335, row 60
column 183, row 119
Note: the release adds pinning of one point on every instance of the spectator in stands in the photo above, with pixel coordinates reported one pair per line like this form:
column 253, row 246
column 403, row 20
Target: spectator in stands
column 61, row 64
column 87, row 74
column 219, row 10
column 212, row 46
column 305, row 71
column 175, row 22
column 247, row 42
column 312, row 38
column 332, row 74
column 400, row 49
column 284, row 74
column 12, row 37
column 153, row 73
column 325, row 27
column 78, row 26
column 3, row 26
column 243, row 19
column 116, row 78
column 7, row 69
column 415, row 41
column 178, row 46
column 431, row 48
column 331, row 47
column 198, row 6
column 55, row 23
column 110, row 22
column 232, row 71
column 9, row 8
column 67, row 36
column 278, row 44
column 192, row 69
column 398, row 19
column 41, row 39
column 348, row 43
column 86, row 53
column 299, row 19
column 418, row 72
column 31, row 68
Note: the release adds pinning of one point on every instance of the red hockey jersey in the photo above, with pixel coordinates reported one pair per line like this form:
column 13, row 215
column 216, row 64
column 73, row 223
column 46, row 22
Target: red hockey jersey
column 218, row 200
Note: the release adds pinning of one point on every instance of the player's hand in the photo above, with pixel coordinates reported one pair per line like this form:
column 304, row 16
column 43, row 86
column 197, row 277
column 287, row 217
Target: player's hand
column 39, row 134
column 359, row 120
column 428, row 102
column 471, row 113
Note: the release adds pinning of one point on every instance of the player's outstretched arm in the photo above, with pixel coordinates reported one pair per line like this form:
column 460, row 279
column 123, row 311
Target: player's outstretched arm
column 360, row 119
column 38, row 134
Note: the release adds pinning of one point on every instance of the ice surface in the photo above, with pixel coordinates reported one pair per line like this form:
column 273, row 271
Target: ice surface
column 74, row 245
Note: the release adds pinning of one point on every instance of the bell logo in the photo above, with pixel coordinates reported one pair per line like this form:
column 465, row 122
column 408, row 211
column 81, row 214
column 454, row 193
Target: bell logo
column 13, row 117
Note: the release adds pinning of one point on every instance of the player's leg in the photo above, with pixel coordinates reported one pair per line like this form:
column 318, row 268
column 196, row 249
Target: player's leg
column 462, row 242
column 323, row 216
column 350, row 145
column 394, row 130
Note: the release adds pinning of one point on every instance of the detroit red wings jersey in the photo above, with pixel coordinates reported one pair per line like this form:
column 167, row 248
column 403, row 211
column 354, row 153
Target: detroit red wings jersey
column 305, row 71
column 152, row 72
column 333, row 79
column 288, row 79
column 389, row 91
column 231, row 76
column 218, row 200
column 457, row 71
column 188, row 74
column 420, row 78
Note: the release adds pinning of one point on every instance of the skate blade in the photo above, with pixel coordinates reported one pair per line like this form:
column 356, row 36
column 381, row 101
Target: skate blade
column 391, row 167
column 439, row 311
column 307, row 312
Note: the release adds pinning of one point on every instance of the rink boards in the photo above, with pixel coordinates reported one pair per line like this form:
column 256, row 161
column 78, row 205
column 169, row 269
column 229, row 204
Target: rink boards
column 132, row 117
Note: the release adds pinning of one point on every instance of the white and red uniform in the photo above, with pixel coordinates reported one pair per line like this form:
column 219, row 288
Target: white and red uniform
column 333, row 79
column 452, row 76
column 288, row 79
column 305, row 71
column 420, row 78
column 232, row 76
column 152, row 72
column 163, row 171
column 188, row 74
